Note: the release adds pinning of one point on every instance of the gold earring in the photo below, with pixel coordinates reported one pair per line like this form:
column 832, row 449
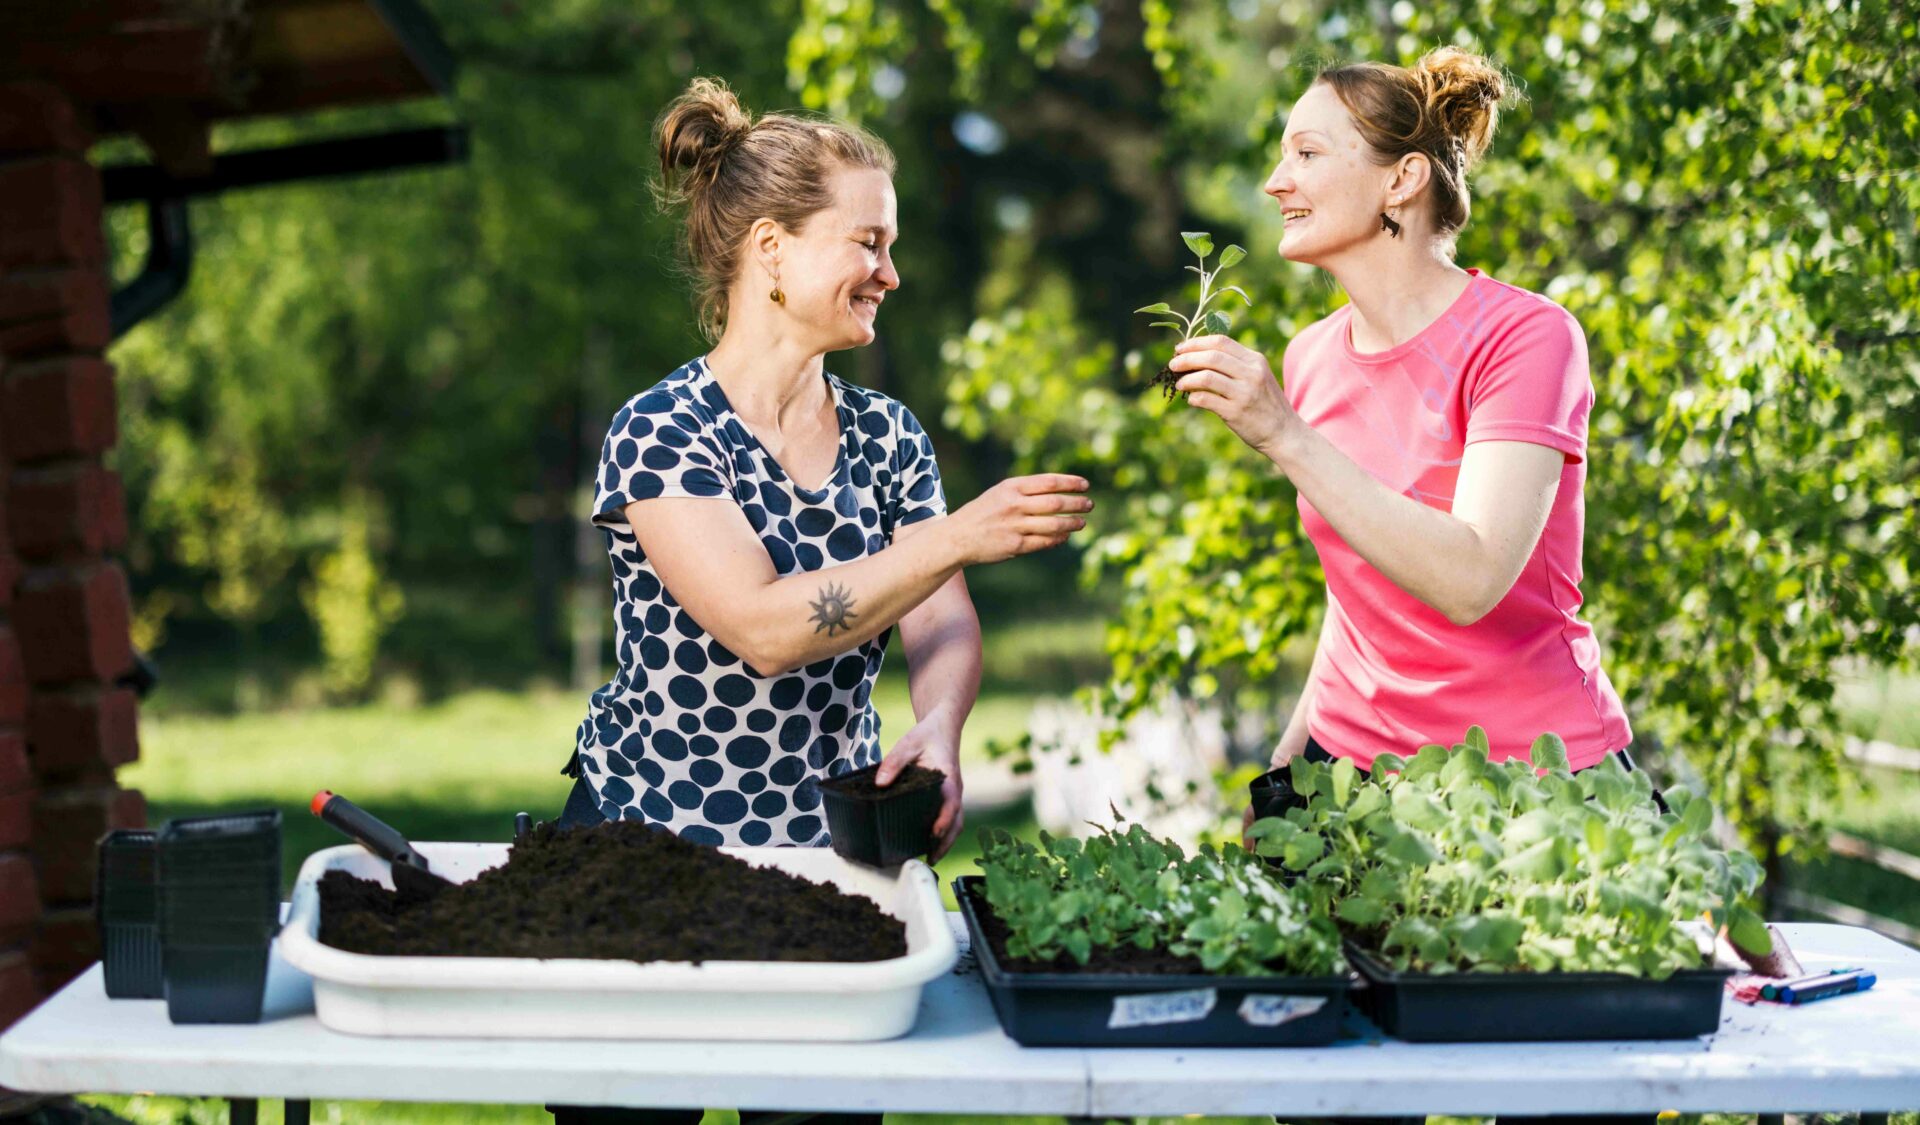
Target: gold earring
column 776, row 296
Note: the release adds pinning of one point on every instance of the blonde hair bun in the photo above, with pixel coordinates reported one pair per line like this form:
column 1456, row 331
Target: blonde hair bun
column 1463, row 92
column 698, row 129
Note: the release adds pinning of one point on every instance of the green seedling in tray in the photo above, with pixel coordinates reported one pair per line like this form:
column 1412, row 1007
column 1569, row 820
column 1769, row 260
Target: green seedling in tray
column 1449, row 862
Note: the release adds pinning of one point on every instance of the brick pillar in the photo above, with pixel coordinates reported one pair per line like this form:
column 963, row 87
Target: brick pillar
column 64, row 723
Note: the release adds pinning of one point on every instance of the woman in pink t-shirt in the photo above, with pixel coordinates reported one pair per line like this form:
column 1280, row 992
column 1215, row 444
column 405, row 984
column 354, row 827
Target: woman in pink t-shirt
column 1435, row 429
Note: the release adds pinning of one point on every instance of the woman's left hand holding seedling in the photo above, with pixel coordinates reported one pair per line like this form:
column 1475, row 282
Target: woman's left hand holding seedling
column 1220, row 374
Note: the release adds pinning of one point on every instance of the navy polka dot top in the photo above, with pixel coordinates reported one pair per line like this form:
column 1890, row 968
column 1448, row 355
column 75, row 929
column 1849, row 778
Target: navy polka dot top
column 687, row 734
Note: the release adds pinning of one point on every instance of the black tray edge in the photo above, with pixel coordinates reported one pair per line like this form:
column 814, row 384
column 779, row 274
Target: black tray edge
column 1374, row 972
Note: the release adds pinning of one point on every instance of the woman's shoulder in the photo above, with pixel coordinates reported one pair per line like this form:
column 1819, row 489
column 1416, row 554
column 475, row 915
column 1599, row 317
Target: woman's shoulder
column 1513, row 304
column 681, row 398
column 1325, row 330
column 876, row 414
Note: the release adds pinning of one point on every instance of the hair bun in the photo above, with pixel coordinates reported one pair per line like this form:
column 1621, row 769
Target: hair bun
column 699, row 128
column 1463, row 95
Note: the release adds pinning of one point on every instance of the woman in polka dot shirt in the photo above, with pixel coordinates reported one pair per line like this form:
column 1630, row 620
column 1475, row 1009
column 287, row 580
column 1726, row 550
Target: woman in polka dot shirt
column 770, row 523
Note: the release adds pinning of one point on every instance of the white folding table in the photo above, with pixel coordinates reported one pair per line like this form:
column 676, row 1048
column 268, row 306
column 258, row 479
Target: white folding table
column 1854, row 1053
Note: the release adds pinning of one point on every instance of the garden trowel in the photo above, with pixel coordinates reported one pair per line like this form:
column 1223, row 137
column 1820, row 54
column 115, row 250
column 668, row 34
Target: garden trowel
column 413, row 881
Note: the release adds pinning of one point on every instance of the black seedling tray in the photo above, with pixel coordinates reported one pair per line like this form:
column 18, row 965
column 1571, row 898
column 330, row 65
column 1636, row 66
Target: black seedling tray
column 879, row 831
column 126, row 893
column 1083, row 1009
column 1536, row 1007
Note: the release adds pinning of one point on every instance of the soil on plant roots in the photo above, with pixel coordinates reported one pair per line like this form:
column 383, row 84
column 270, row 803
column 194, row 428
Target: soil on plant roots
column 623, row 890
column 912, row 779
column 1126, row 960
column 1165, row 381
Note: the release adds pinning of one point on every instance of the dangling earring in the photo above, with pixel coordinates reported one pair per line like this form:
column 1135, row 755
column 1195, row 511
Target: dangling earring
column 776, row 296
column 1389, row 220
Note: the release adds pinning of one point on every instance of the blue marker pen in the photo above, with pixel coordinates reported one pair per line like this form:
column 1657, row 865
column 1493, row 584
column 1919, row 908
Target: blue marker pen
column 1836, row 983
column 1773, row 991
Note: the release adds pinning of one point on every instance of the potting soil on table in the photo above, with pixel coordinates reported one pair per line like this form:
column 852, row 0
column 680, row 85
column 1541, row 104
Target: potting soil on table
column 622, row 890
column 911, row 780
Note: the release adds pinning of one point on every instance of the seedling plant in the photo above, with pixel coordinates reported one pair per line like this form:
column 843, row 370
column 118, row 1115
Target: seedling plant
column 1071, row 897
column 1202, row 322
column 1448, row 862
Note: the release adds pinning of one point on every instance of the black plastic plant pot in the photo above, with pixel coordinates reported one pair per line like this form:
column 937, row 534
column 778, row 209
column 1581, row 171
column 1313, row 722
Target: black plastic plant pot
column 1536, row 1007
column 1272, row 793
column 235, row 837
column 1055, row 1009
column 881, row 830
column 126, row 890
column 219, row 888
column 215, row 983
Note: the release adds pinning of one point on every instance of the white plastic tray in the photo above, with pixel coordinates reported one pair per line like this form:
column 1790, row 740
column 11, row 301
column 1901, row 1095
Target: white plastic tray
column 579, row 998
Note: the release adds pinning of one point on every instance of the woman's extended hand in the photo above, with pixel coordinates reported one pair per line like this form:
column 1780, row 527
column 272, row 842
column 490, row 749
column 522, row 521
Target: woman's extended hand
column 1232, row 380
column 935, row 746
column 1020, row 515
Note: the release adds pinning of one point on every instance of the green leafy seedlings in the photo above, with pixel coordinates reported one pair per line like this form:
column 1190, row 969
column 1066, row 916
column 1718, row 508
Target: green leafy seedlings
column 1070, row 897
column 1447, row 862
column 1202, row 322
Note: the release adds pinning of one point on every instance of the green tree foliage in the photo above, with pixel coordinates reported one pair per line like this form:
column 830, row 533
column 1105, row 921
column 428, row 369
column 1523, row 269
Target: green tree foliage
column 1724, row 194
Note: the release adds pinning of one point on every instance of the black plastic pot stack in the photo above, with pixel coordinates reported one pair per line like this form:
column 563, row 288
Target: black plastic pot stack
column 126, row 906
column 219, row 909
column 881, row 830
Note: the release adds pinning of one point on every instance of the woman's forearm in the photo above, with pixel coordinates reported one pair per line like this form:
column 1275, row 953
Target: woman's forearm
column 1293, row 740
column 802, row 618
column 1432, row 555
column 942, row 642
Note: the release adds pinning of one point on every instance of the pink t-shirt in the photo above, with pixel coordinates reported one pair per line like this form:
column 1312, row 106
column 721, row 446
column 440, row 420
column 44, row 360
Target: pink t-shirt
column 1501, row 364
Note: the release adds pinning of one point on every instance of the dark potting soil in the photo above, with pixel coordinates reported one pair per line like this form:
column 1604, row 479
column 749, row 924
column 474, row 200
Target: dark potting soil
column 623, row 890
column 911, row 779
column 1128, row 960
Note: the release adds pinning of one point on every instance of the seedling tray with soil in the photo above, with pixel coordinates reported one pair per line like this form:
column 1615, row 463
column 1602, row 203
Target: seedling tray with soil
column 1129, row 997
column 725, row 981
column 1516, row 900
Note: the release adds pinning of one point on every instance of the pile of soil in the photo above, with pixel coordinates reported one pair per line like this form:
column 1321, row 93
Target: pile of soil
column 911, row 780
column 624, row 890
column 1126, row 960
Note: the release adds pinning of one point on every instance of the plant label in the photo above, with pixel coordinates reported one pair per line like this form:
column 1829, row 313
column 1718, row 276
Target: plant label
column 1158, row 1008
column 1272, row 1011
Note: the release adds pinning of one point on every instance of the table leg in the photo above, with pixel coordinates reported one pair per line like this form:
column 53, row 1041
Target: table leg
column 298, row 1112
column 243, row 1111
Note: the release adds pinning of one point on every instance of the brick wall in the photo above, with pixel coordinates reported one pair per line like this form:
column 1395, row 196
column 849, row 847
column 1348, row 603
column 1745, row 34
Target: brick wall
column 64, row 724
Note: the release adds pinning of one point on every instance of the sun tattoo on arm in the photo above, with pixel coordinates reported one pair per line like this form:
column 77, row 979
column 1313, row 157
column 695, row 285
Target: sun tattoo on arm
column 834, row 611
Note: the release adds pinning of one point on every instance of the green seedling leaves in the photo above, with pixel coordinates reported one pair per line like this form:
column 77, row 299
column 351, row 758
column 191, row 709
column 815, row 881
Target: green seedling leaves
column 1203, row 322
column 1448, row 862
